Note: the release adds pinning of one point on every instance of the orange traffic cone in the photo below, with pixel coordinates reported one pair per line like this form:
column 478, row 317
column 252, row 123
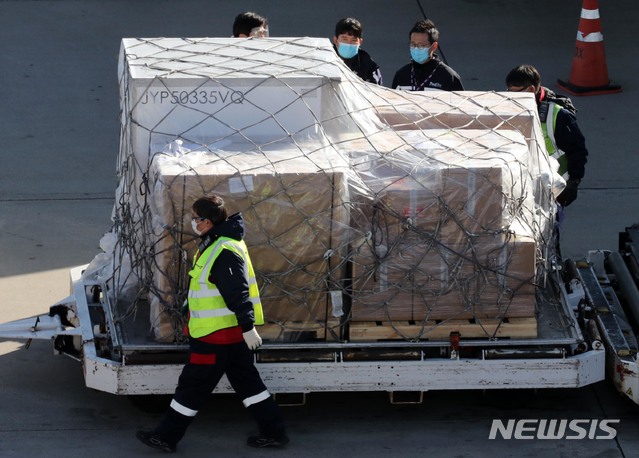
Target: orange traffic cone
column 589, row 75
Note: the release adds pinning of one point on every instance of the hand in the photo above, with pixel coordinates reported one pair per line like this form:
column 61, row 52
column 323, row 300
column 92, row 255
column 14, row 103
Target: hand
column 252, row 339
column 569, row 194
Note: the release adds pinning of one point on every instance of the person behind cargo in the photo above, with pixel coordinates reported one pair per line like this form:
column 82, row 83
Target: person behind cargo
column 347, row 41
column 223, row 309
column 250, row 24
column 425, row 71
column 564, row 139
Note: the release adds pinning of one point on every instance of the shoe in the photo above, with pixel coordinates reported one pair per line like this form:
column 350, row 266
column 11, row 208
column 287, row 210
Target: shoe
column 263, row 441
column 154, row 441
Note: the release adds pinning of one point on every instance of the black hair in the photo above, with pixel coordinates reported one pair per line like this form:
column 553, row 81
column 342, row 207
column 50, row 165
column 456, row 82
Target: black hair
column 245, row 22
column 425, row 26
column 523, row 76
column 349, row 26
column 211, row 208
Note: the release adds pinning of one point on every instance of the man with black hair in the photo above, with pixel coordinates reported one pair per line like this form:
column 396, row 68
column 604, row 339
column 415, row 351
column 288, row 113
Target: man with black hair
column 250, row 24
column 564, row 140
column 347, row 41
column 223, row 308
column 425, row 71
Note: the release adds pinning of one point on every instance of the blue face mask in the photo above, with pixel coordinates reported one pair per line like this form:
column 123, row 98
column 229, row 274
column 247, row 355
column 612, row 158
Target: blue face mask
column 420, row 55
column 347, row 51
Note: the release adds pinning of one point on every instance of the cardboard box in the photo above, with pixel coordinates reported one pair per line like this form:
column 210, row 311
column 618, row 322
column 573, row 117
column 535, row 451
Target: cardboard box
column 457, row 204
column 296, row 219
column 419, row 280
column 382, row 285
column 467, row 110
column 450, row 184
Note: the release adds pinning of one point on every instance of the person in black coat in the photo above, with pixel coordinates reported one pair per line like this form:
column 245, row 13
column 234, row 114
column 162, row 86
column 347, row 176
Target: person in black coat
column 425, row 71
column 347, row 41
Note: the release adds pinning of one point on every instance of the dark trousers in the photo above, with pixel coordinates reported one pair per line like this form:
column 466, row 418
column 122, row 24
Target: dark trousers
column 207, row 364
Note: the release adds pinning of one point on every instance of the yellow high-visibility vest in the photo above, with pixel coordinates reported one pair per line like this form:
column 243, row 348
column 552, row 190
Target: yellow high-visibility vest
column 207, row 310
column 548, row 128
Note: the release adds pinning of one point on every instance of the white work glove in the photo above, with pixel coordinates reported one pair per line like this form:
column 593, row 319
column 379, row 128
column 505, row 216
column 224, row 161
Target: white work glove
column 252, row 339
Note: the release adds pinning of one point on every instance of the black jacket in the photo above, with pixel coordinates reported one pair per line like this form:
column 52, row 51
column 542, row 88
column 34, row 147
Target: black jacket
column 432, row 74
column 364, row 67
column 227, row 273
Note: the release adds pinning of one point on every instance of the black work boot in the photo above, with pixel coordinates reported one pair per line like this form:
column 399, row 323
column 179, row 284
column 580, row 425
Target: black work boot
column 153, row 440
column 272, row 432
column 265, row 441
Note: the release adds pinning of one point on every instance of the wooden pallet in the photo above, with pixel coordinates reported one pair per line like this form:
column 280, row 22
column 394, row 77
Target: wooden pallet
column 440, row 330
column 300, row 331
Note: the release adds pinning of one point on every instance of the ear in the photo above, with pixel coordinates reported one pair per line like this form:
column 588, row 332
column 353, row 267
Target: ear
column 335, row 42
column 434, row 46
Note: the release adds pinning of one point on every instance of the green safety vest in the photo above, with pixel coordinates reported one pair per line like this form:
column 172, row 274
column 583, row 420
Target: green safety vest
column 548, row 128
column 207, row 310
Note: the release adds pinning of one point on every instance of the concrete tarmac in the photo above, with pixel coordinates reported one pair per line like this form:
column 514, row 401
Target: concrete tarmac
column 59, row 130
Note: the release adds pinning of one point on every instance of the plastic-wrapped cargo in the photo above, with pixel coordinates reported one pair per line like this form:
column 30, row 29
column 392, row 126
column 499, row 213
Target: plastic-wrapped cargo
column 295, row 209
column 439, row 230
column 361, row 203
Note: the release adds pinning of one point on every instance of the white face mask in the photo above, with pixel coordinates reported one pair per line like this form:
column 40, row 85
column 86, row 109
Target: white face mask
column 194, row 226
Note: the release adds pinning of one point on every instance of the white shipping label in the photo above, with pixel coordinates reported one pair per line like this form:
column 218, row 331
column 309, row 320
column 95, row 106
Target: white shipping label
column 337, row 302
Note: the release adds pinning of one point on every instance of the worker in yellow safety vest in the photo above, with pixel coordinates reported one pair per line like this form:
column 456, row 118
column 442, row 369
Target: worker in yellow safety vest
column 564, row 140
column 223, row 308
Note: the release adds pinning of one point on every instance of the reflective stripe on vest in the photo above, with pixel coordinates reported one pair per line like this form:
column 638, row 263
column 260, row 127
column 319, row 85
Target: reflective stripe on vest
column 548, row 128
column 207, row 310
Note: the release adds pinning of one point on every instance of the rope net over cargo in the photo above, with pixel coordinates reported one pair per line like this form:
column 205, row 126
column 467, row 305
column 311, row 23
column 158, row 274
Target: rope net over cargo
column 363, row 206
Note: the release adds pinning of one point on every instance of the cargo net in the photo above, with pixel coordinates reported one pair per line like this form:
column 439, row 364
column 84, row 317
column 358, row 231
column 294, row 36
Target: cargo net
column 370, row 213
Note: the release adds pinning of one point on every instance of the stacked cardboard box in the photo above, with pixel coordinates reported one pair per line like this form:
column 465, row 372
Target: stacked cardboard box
column 437, row 248
column 296, row 220
column 419, row 279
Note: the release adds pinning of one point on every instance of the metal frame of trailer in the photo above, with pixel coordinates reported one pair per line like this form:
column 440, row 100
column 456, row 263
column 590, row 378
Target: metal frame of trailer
column 567, row 361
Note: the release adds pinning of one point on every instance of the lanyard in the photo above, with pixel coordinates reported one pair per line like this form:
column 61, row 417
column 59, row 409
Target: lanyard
column 423, row 83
